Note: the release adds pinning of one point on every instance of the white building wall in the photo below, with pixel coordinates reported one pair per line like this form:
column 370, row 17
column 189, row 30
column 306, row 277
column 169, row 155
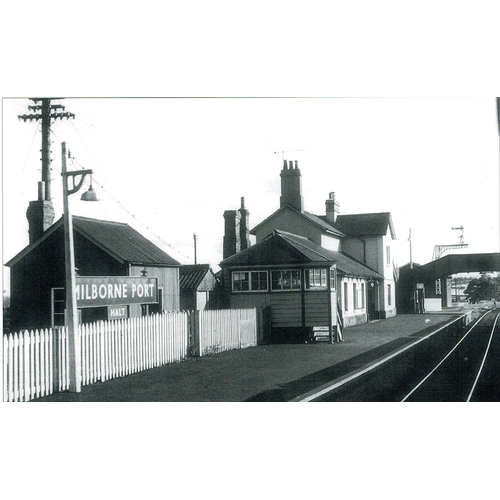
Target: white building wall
column 353, row 315
column 386, row 269
column 330, row 243
column 376, row 253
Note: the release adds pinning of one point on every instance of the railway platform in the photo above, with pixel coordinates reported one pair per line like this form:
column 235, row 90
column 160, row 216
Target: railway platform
column 267, row 373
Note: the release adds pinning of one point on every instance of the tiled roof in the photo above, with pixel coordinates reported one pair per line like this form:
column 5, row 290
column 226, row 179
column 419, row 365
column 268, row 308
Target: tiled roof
column 323, row 224
column 122, row 242
column 281, row 248
column 365, row 224
column 321, row 221
column 117, row 239
column 345, row 263
column 190, row 276
column 351, row 267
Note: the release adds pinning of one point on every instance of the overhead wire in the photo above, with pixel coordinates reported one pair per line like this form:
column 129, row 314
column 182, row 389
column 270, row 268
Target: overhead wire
column 130, row 214
column 31, row 146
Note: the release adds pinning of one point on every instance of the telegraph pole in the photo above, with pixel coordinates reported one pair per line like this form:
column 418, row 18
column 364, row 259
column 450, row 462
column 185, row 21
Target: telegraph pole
column 411, row 257
column 46, row 112
column 194, row 240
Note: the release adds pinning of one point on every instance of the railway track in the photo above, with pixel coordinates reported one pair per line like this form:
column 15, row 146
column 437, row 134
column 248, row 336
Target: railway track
column 455, row 365
column 469, row 371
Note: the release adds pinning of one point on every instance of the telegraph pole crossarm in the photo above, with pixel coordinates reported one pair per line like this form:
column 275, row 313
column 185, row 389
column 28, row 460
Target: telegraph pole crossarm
column 46, row 113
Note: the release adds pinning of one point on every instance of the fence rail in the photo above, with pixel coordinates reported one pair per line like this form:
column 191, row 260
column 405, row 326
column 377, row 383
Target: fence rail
column 36, row 363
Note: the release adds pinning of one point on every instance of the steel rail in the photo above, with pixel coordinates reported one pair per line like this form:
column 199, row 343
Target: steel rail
column 484, row 358
column 331, row 386
column 446, row 357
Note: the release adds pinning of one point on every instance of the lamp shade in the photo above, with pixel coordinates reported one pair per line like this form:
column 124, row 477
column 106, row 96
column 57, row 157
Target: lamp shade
column 89, row 195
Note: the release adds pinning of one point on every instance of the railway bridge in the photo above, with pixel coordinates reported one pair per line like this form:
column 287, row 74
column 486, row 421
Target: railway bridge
column 432, row 280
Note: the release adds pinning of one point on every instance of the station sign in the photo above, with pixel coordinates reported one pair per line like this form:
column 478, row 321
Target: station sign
column 102, row 291
column 117, row 312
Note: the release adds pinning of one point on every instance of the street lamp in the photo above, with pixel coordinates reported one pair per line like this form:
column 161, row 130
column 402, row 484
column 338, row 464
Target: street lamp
column 74, row 348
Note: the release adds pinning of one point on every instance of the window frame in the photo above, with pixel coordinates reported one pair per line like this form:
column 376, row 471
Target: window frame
column 317, row 273
column 291, row 279
column 53, row 292
column 251, row 280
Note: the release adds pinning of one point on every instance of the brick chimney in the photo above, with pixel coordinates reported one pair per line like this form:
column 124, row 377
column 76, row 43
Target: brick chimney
column 40, row 215
column 232, row 237
column 244, row 226
column 291, row 186
column 332, row 208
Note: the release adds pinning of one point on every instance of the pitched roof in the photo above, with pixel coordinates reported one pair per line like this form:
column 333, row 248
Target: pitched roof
column 281, row 248
column 365, row 224
column 322, row 224
column 123, row 242
column 190, row 276
column 321, row 221
column 117, row 239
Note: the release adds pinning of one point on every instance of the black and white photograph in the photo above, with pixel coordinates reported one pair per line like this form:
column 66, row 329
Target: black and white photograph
column 304, row 245
column 215, row 211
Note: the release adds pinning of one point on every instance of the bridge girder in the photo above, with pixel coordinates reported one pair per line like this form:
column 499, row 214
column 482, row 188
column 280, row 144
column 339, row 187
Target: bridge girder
column 457, row 263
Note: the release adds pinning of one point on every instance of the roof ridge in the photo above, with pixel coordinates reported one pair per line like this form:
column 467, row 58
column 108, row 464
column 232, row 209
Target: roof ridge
column 364, row 213
column 280, row 231
column 312, row 249
column 102, row 220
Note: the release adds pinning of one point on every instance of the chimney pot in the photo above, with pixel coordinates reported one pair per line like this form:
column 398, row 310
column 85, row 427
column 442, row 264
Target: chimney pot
column 291, row 187
column 231, row 240
column 332, row 208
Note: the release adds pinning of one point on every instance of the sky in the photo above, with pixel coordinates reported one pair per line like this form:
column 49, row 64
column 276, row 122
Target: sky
column 177, row 165
column 170, row 167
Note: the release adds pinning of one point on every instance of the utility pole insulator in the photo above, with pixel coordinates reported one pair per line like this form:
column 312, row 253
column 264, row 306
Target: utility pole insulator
column 46, row 113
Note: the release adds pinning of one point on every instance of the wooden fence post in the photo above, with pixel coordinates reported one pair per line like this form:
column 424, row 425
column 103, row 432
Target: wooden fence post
column 194, row 334
column 55, row 360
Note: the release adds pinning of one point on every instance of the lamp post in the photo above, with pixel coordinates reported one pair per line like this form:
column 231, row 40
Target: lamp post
column 74, row 348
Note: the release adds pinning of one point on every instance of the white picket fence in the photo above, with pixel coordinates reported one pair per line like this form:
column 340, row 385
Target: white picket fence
column 226, row 329
column 35, row 363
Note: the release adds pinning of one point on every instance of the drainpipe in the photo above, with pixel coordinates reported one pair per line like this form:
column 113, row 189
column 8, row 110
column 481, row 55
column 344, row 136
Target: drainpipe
column 364, row 249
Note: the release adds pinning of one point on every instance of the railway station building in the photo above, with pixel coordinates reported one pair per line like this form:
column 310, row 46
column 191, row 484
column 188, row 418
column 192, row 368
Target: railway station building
column 102, row 248
column 298, row 254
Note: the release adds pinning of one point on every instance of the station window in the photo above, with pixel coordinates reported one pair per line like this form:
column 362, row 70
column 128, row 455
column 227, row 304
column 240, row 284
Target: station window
column 58, row 306
column 250, row 281
column 358, row 295
column 258, row 281
column 389, row 295
column 346, row 298
column 285, row 280
column 333, row 284
column 316, row 278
